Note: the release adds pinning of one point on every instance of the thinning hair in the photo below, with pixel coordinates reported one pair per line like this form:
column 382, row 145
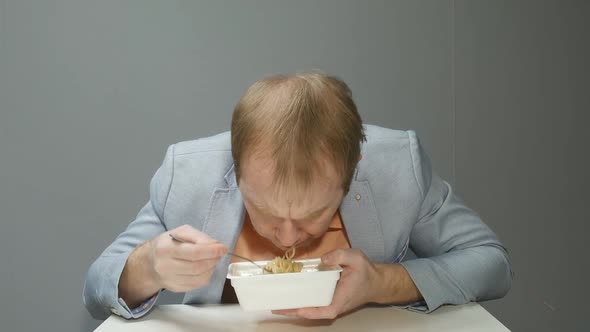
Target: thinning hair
column 301, row 121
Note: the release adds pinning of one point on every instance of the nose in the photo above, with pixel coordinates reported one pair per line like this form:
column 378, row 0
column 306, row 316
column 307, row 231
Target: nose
column 286, row 233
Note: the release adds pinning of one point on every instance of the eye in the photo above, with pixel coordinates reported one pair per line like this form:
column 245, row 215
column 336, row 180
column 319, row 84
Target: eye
column 316, row 217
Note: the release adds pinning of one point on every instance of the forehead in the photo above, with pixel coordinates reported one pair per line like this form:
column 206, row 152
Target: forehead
column 257, row 182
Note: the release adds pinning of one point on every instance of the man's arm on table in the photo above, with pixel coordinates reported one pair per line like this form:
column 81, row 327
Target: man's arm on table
column 460, row 258
column 138, row 282
column 101, row 289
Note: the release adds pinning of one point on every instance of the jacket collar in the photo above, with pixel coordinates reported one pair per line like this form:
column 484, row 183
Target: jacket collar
column 230, row 177
column 223, row 222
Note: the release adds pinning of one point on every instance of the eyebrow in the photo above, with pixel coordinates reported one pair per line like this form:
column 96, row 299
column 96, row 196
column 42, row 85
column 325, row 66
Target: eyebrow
column 308, row 216
column 316, row 213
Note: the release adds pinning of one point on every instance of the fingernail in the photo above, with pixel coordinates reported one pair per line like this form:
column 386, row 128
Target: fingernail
column 326, row 258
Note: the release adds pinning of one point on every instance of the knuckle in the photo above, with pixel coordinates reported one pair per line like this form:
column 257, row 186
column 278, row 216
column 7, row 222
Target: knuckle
column 363, row 256
column 358, row 256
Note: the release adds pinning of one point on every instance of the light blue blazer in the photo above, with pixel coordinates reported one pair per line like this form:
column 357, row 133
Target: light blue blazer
column 395, row 201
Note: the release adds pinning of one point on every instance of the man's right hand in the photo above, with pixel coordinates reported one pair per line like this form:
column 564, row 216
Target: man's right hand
column 165, row 263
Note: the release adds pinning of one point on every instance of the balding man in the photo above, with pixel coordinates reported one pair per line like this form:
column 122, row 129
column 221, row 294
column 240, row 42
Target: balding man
column 299, row 169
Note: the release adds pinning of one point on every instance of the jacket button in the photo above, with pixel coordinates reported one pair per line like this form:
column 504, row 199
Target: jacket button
column 357, row 197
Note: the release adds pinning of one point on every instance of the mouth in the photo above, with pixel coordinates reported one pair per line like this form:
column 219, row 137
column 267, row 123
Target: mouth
column 282, row 248
column 298, row 245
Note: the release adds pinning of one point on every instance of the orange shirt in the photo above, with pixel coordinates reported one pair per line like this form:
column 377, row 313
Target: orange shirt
column 250, row 244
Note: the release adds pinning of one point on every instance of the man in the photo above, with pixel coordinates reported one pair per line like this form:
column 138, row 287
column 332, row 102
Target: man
column 299, row 169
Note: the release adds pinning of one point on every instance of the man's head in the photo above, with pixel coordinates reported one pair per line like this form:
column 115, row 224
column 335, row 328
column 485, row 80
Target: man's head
column 296, row 140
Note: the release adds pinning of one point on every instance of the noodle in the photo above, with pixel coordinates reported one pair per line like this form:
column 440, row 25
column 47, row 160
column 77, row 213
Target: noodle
column 284, row 264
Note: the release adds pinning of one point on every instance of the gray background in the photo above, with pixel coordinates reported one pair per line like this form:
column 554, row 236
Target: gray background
column 92, row 92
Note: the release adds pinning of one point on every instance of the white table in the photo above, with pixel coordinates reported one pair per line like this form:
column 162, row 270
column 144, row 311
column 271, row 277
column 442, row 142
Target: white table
column 169, row 318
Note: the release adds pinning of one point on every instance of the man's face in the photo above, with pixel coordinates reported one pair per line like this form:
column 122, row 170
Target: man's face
column 288, row 218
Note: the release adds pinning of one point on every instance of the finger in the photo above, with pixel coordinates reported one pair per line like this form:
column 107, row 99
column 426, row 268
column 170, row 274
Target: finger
column 329, row 312
column 182, row 283
column 201, row 280
column 285, row 312
column 200, row 273
column 186, row 268
column 197, row 252
column 187, row 233
column 187, row 283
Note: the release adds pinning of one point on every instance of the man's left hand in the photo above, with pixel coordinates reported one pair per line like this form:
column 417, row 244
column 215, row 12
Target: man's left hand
column 354, row 289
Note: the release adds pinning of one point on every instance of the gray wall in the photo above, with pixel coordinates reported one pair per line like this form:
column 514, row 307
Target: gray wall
column 92, row 92
column 522, row 157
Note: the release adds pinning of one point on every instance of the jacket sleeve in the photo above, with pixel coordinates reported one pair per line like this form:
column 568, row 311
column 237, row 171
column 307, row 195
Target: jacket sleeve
column 101, row 296
column 459, row 258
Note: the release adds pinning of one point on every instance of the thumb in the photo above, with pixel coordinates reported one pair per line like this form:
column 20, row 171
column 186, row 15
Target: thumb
column 339, row 257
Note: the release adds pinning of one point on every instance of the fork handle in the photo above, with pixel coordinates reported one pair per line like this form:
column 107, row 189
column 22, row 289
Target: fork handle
column 244, row 258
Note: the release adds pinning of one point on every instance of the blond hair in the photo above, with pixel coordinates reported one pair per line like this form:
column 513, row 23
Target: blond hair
column 300, row 121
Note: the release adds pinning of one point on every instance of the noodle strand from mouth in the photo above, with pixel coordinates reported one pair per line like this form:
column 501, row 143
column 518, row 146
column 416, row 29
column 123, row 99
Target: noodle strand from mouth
column 284, row 264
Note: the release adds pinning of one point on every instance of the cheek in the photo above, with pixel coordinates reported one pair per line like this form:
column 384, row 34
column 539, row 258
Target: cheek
column 317, row 228
column 264, row 230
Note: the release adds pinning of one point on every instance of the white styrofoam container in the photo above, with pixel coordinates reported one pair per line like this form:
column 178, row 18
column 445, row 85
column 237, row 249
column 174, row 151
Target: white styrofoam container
column 312, row 287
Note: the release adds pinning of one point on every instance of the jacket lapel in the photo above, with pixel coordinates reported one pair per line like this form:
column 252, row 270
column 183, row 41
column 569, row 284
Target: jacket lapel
column 360, row 218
